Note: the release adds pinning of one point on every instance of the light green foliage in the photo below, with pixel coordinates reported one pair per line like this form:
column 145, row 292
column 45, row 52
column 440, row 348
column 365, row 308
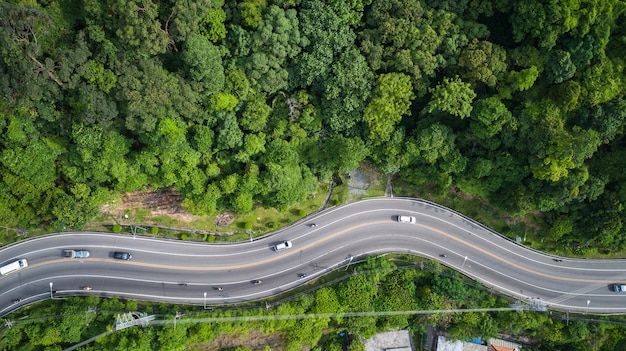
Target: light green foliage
column 524, row 79
column 221, row 102
column 253, row 144
column 452, row 96
column 286, row 181
column 236, row 83
column 602, row 82
column 251, row 12
column 212, row 24
column 551, row 143
column 255, row 113
column 390, row 100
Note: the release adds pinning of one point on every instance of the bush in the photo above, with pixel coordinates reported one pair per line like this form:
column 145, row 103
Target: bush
column 301, row 212
column 183, row 237
column 154, row 230
column 211, row 238
column 247, row 225
column 117, row 228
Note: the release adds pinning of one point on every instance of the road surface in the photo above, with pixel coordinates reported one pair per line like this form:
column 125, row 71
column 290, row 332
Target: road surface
column 176, row 271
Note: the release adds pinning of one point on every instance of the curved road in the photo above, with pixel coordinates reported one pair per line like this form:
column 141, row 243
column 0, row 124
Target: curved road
column 189, row 272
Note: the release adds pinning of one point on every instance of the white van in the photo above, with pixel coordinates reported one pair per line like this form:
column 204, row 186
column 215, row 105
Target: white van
column 13, row 266
column 406, row 219
column 282, row 246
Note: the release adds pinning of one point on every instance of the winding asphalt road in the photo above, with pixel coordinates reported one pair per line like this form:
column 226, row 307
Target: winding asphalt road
column 190, row 272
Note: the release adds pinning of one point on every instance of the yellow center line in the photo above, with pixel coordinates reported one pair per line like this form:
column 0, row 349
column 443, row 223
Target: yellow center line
column 278, row 256
column 515, row 265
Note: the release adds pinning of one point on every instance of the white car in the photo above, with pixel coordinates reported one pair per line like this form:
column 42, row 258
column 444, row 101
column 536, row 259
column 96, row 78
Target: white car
column 406, row 219
column 282, row 246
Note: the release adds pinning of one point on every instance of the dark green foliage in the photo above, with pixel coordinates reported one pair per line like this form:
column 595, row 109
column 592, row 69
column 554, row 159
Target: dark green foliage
column 242, row 103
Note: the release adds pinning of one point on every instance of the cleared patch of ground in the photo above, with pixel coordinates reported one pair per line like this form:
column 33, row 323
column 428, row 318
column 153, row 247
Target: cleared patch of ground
column 365, row 181
column 156, row 203
column 254, row 339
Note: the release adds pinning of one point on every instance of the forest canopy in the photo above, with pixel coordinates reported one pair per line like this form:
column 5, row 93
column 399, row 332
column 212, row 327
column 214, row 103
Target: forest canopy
column 237, row 103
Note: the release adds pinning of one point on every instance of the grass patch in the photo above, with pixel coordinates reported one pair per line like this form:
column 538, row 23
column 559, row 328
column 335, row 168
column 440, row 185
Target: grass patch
column 529, row 229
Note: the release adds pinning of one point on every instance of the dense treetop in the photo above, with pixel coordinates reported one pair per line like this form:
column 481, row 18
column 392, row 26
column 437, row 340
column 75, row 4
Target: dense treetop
column 234, row 103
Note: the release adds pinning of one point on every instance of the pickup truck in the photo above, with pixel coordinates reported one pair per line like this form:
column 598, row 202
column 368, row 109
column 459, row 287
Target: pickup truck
column 76, row 253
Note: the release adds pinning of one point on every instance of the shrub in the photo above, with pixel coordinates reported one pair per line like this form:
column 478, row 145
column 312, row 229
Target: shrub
column 301, row 212
column 183, row 237
column 154, row 230
column 248, row 225
column 117, row 228
column 211, row 238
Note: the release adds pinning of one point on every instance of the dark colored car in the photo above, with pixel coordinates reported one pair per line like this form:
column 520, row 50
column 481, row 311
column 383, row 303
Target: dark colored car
column 122, row 255
column 619, row 288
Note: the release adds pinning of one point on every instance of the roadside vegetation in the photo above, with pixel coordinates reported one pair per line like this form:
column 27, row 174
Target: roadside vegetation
column 236, row 105
column 510, row 112
column 377, row 285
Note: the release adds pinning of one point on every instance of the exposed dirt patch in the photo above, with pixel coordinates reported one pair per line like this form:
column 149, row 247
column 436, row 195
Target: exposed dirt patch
column 160, row 202
column 255, row 340
column 224, row 219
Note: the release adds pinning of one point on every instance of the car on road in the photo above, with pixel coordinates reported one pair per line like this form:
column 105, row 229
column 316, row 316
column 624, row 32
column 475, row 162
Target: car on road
column 76, row 253
column 619, row 288
column 257, row 282
column 406, row 219
column 302, row 275
column 283, row 246
column 122, row 255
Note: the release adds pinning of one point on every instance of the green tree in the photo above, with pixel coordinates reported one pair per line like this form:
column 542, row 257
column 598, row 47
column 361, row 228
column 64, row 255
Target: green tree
column 276, row 39
column 559, row 67
column 251, row 12
column 482, row 61
column 391, row 99
column 327, row 38
column 204, row 62
column 489, row 116
column 452, row 96
column 138, row 27
column 345, row 92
